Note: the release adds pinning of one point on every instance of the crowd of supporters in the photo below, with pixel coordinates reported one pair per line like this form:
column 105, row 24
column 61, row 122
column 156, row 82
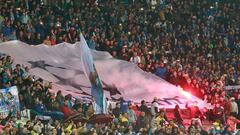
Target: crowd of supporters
column 44, row 112
column 194, row 44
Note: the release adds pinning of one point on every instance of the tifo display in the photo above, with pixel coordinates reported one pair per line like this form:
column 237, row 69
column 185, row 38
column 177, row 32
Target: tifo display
column 124, row 67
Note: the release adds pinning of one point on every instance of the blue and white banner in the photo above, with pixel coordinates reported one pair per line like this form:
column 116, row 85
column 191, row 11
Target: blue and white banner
column 91, row 73
column 9, row 102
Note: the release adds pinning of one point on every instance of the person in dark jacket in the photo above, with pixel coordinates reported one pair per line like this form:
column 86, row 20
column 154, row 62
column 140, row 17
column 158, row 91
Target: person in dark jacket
column 177, row 115
column 117, row 111
column 194, row 110
column 218, row 112
column 144, row 107
column 142, row 121
column 40, row 107
column 42, row 110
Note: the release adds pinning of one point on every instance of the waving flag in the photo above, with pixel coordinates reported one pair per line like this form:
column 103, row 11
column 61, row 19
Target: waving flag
column 91, row 73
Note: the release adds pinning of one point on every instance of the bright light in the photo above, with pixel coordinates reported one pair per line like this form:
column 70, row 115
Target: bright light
column 58, row 24
column 186, row 94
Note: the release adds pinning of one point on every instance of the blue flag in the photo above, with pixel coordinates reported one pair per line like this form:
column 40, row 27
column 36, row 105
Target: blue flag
column 91, row 73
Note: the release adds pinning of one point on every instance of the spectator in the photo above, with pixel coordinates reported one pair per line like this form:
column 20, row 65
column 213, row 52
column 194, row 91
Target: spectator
column 161, row 71
column 59, row 97
column 161, row 119
column 144, row 107
column 117, row 111
column 13, row 36
column 132, row 117
column 216, row 129
column 66, row 110
column 38, row 39
column 177, row 115
column 29, row 39
column 194, row 110
column 90, row 111
column 123, row 105
column 69, row 100
column 124, row 119
column 7, row 29
column 234, row 111
column 232, row 123
column 218, row 112
column 40, row 107
column 154, row 109
column 77, row 106
column 135, row 58
column 47, row 41
column 142, row 121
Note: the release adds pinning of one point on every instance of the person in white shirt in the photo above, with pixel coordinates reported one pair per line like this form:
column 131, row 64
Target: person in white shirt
column 25, row 115
column 154, row 110
column 135, row 58
column 234, row 110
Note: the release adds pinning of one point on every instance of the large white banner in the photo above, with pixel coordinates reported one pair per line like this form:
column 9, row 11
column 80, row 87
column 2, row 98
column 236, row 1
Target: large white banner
column 60, row 64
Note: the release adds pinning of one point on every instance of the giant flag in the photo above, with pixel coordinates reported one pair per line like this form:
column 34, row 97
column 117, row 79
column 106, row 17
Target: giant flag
column 61, row 64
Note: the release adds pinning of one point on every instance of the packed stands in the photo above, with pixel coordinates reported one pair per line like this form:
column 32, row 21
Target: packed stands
column 193, row 44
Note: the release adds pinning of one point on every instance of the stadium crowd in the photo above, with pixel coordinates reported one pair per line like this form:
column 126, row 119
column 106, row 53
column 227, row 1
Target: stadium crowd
column 44, row 112
column 194, row 44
